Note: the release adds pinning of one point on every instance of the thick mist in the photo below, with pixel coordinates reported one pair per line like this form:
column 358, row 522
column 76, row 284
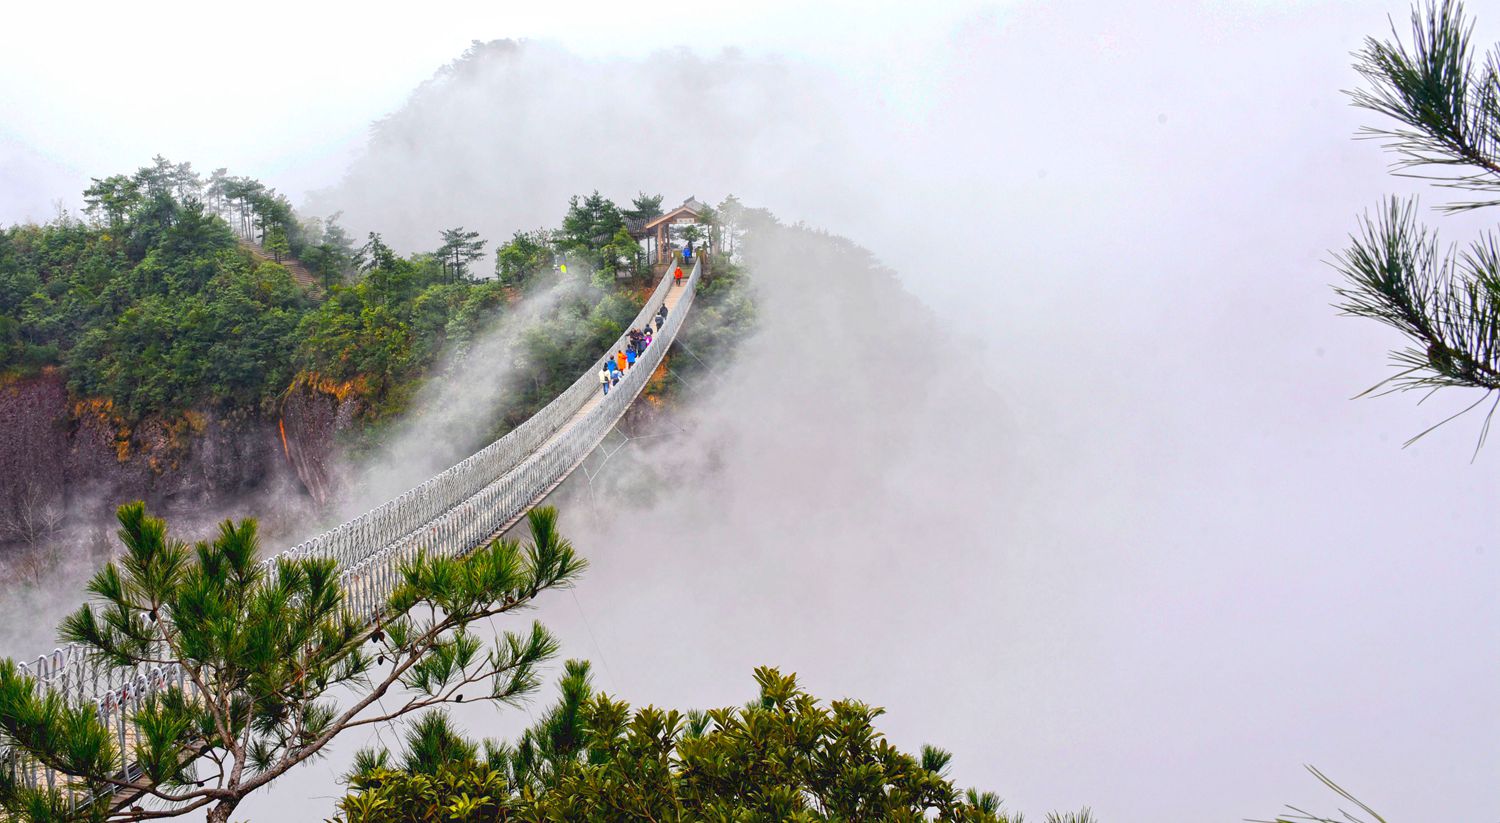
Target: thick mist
column 1089, row 505
column 42, row 583
column 500, row 139
column 456, row 411
column 1111, row 528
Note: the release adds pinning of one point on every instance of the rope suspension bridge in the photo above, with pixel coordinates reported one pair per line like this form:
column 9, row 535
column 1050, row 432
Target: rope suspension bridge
column 452, row 514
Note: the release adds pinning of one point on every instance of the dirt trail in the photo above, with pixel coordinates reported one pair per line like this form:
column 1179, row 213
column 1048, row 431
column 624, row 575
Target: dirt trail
column 299, row 272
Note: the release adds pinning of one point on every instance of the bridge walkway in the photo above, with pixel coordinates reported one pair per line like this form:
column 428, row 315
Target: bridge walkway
column 672, row 299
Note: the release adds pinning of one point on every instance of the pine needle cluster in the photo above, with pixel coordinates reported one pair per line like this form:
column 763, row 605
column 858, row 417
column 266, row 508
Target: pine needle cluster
column 1445, row 100
column 272, row 666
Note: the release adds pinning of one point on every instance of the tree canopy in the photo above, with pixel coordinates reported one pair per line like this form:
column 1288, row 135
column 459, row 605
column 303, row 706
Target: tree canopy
column 156, row 306
column 785, row 756
column 525, row 255
column 591, row 221
column 157, row 309
column 592, row 230
column 644, row 207
column 330, row 252
column 460, row 249
column 262, row 650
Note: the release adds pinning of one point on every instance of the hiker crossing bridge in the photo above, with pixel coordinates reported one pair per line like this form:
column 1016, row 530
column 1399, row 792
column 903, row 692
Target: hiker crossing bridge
column 452, row 513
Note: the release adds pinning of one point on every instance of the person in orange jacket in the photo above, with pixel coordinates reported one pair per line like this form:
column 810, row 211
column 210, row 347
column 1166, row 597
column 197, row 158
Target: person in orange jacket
column 677, row 276
column 620, row 360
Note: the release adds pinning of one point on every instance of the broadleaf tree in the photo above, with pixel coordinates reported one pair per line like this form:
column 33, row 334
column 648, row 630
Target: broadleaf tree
column 525, row 255
column 263, row 651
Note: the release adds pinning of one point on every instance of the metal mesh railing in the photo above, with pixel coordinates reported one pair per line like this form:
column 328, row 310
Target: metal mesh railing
column 451, row 514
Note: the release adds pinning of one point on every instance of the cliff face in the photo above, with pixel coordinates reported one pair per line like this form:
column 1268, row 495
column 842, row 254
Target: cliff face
column 34, row 446
column 71, row 463
column 310, row 422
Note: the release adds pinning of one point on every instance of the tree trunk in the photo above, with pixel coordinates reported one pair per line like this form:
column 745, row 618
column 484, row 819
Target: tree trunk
column 219, row 812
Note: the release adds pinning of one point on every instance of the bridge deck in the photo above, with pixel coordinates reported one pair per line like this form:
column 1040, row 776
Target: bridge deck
column 596, row 398
column 673, row 297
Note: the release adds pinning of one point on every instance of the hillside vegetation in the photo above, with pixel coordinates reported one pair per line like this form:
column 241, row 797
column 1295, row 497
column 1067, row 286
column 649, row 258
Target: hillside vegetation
column 171, row 295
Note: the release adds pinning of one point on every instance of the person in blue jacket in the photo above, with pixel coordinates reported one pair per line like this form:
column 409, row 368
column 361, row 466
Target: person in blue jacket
column 630, row 356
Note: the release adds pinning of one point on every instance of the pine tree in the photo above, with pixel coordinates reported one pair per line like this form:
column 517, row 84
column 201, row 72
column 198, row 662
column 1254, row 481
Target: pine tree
column 262, row 650
column 459, row 249
column 276, row 243
column 643, row 207
column 523, row 256
column 375, row 254
column 1446, row 104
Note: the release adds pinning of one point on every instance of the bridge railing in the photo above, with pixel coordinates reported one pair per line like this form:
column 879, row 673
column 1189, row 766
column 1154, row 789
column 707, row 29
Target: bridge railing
column 368, row 580
column 362, row 536
column 356, row 539
column 502, row 502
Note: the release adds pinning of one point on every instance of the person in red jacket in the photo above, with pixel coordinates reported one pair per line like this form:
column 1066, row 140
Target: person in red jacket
column 677, row 276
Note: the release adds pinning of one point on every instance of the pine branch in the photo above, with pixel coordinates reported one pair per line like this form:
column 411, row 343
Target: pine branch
column 1448, row 103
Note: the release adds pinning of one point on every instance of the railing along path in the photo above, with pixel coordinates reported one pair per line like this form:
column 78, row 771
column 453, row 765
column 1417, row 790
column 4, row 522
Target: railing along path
column 451, row 514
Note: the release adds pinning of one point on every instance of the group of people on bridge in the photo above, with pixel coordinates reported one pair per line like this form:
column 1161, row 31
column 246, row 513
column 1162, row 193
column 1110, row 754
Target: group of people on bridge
column 635, row 346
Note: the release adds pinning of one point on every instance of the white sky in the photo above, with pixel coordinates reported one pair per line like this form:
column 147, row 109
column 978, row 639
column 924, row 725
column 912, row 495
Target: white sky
column 284, row 91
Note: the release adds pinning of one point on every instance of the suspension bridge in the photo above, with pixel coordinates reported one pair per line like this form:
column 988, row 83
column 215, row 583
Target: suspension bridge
column 452, row 513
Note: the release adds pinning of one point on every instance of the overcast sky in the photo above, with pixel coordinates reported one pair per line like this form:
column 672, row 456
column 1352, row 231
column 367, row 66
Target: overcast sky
column 285, row 91
column 1184, row 561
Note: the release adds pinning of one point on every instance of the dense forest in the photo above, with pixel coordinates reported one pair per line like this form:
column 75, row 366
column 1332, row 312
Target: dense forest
column 178, row 292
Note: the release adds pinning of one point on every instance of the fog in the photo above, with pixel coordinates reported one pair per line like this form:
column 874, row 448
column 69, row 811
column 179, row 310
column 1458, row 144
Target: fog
column 1093, row 509
column 454, row 413
column 44, row 581
column 1108, row 525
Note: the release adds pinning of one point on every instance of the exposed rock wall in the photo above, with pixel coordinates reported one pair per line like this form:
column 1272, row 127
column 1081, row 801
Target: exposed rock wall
column 33, row 439
column 309, row 425
column 68, row 464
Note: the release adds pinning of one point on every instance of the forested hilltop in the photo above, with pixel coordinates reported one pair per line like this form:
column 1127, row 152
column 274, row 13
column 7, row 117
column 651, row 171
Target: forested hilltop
column 190, row 339
column 178, row 292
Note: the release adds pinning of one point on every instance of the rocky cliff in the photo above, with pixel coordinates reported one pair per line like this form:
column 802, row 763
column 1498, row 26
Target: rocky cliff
column 70, row 462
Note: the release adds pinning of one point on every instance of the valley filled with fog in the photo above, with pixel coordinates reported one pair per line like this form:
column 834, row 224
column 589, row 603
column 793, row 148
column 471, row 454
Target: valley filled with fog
column 1044, row 439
